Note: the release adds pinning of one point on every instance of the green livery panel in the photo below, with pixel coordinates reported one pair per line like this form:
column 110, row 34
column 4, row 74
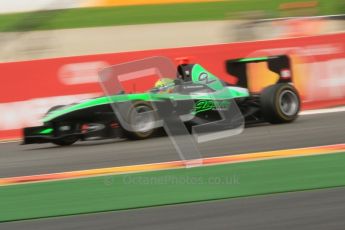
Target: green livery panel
column 225, row 94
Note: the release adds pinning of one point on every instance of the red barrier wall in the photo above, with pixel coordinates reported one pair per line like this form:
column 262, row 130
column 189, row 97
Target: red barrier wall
column 29, row 88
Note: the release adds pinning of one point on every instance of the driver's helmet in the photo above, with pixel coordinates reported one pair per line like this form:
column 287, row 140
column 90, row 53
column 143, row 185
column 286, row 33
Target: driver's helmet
column 164, row 82
column 164, row 85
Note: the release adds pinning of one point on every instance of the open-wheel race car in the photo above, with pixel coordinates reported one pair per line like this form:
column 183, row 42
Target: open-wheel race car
column 95, row 118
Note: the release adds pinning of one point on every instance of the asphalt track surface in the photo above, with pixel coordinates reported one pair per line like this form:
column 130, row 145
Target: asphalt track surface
column 307, row 210
column 307, row 131
column 314, row 210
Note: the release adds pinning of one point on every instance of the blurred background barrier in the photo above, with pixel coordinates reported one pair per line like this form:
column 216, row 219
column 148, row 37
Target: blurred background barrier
column 109, row 3
column 19, row 16
column 29, row 88
column 73, row 29
column 295, row 19
column 31, row 45
column 286, row 27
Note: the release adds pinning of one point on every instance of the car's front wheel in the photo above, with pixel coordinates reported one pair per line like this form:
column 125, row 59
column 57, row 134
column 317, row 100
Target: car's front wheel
column 141, row 119
column 280, row 103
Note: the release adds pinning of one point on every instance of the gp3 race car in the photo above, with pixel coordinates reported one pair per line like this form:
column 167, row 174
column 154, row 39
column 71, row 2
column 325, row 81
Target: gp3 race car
column 95, row 119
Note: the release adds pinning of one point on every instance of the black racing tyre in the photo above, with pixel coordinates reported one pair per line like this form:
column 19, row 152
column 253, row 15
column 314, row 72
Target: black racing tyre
column 280, row 103
column 145, row 123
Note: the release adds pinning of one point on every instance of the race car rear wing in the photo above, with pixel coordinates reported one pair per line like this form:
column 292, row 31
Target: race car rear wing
column 279, row 64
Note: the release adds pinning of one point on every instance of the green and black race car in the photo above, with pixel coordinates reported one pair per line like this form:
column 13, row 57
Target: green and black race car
column 195, row 92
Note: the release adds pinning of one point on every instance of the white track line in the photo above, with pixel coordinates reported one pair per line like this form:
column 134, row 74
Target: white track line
column 9, row 141
column 303, row 113
column 322, row 111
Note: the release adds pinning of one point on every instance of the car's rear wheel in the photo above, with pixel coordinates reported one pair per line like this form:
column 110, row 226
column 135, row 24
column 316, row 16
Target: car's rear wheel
column 142, row 121
column 280, row 103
